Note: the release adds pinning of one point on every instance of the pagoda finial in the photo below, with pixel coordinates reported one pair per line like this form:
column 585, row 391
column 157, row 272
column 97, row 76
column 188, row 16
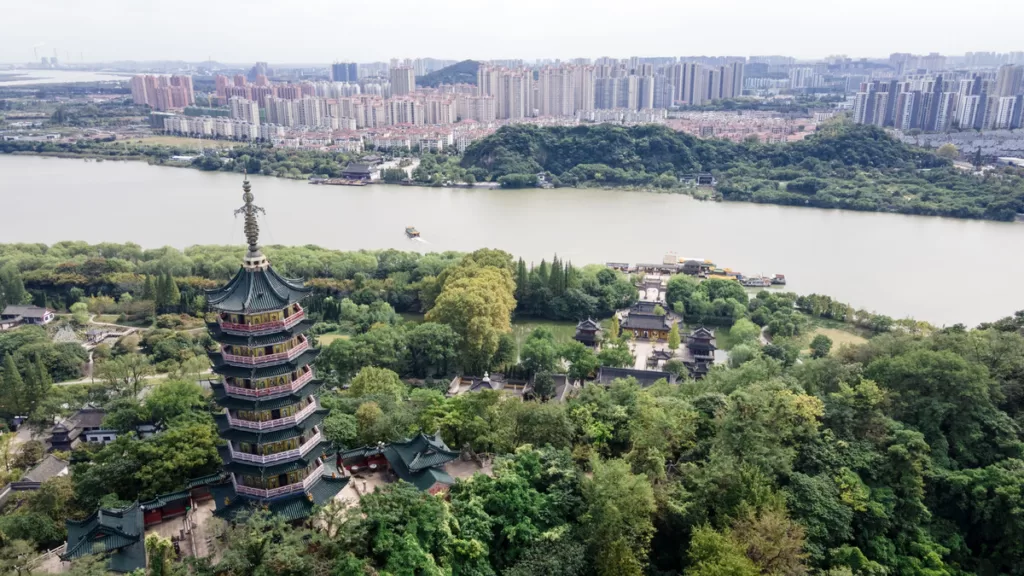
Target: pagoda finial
column 252, row 228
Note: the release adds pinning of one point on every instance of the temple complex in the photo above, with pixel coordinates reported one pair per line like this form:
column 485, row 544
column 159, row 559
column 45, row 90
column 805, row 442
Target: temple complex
column 274, row 455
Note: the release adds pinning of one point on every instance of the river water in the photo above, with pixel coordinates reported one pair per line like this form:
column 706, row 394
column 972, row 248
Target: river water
column 936, row 269
column 32, row 77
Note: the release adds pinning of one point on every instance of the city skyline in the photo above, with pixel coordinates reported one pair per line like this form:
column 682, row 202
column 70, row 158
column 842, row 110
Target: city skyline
column 103, row 31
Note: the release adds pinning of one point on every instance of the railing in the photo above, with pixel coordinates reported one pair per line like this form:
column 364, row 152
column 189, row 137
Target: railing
column 286, row 421
column 279, row 456
column 256, row 360
column 293, row 386
column 265, row 327
column 281, row 490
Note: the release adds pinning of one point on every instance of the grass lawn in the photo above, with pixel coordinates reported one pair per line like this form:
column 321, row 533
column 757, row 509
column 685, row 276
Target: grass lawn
column 183, row 141
column 563, row 331
column 326, row 339
column 723, row 338
column 839, row 337
column 108, row 318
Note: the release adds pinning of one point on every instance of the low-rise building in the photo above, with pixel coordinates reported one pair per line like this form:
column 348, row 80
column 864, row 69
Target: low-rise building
column 116, row 533
column 420, row 461
column 588, row 332
column 699, row 352
column 645, row 378
column 13, row 315
column 647, row 322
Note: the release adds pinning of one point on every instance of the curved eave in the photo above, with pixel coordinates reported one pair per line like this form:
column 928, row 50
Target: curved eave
column 276, row 468
column 253, row 291
column 220, row 366
column 229, row 401
column 263, row 340
column 243, row 465
column 227, row 432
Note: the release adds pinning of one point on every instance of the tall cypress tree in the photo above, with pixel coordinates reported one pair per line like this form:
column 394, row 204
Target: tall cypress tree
column 522, row 281
column 555, row 279
column 160, row 293
column 572, row 279
column 148, row 290
column 173, row 294
column 13, row 392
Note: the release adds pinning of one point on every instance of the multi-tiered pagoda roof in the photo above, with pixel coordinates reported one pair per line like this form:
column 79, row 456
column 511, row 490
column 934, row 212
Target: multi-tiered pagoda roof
column 274, row 453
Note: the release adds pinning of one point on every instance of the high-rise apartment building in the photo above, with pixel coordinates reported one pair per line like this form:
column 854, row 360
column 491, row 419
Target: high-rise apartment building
column 403, row 81
column 139, row 96
column 583, row 87
column 242, row 109
column 345, row 72
column 555, row 91
column 162, row 92
column 1009, row 80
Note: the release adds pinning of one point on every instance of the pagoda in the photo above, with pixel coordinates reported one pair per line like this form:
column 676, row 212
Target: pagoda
column 272, row 422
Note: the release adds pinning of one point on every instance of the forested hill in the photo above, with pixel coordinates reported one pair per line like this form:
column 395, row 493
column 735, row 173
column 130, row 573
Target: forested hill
column 459, row 73
column 848, row 166
column 654, row 149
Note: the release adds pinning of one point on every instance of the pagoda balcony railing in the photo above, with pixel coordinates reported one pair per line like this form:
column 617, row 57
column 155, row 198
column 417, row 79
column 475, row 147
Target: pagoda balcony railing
column 266, row 327
column 269, row 358
column 282, row 490
column 286, row 421
column 260, row 392
column 279, row 456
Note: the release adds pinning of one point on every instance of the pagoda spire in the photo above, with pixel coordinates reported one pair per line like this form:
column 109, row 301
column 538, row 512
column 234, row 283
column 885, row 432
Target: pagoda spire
column 252, row 228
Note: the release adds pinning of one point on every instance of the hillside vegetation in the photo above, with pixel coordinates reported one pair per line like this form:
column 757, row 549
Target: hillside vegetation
column 843, row 166
column 459, row 73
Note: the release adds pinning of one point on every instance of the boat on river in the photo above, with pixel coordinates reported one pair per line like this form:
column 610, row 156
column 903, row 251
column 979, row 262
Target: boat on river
column 755, row 281
column 412, row 232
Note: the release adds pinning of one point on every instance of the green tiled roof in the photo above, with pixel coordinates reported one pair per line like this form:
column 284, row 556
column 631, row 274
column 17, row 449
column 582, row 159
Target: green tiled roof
column 252, row 291
column 262, row 437
column 364, row 452
column 278, row 467
column 165, row 499
column 215, row 478
column 223, row 368
column 425, row 479
column 263, row 340
column 418, row 460
column 264, row 402
column 118, row 533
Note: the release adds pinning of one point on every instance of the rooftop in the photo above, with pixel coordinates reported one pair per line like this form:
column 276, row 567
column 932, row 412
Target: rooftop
column 644, row 378
column 117, row 532
column 25, row 311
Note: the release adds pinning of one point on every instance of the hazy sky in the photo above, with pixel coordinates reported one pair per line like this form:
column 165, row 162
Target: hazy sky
column 297, row 31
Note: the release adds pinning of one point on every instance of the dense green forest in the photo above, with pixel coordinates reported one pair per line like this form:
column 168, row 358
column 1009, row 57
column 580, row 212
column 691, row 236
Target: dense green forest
column 901, row 455
column 846, row 166
column 459, row 73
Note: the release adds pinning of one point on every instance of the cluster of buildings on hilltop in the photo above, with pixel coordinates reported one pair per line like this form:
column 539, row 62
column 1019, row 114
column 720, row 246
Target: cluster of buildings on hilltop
column 992, row 100
column 163, row 92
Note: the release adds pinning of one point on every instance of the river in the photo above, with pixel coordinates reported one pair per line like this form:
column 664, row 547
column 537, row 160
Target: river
column 936, row 269
column 21, row 77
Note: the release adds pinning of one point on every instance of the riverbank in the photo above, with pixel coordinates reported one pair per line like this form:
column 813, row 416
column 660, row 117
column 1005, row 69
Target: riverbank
column 923, row 194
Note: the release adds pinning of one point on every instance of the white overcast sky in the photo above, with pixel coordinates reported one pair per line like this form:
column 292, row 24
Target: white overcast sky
column 309, row 31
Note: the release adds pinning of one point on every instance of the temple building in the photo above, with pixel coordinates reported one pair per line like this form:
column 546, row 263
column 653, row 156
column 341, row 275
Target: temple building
column 588, row 332
column 419, row 460
column 699, row 352
column 648, row 321
column 274, row 453
column 117, row 533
